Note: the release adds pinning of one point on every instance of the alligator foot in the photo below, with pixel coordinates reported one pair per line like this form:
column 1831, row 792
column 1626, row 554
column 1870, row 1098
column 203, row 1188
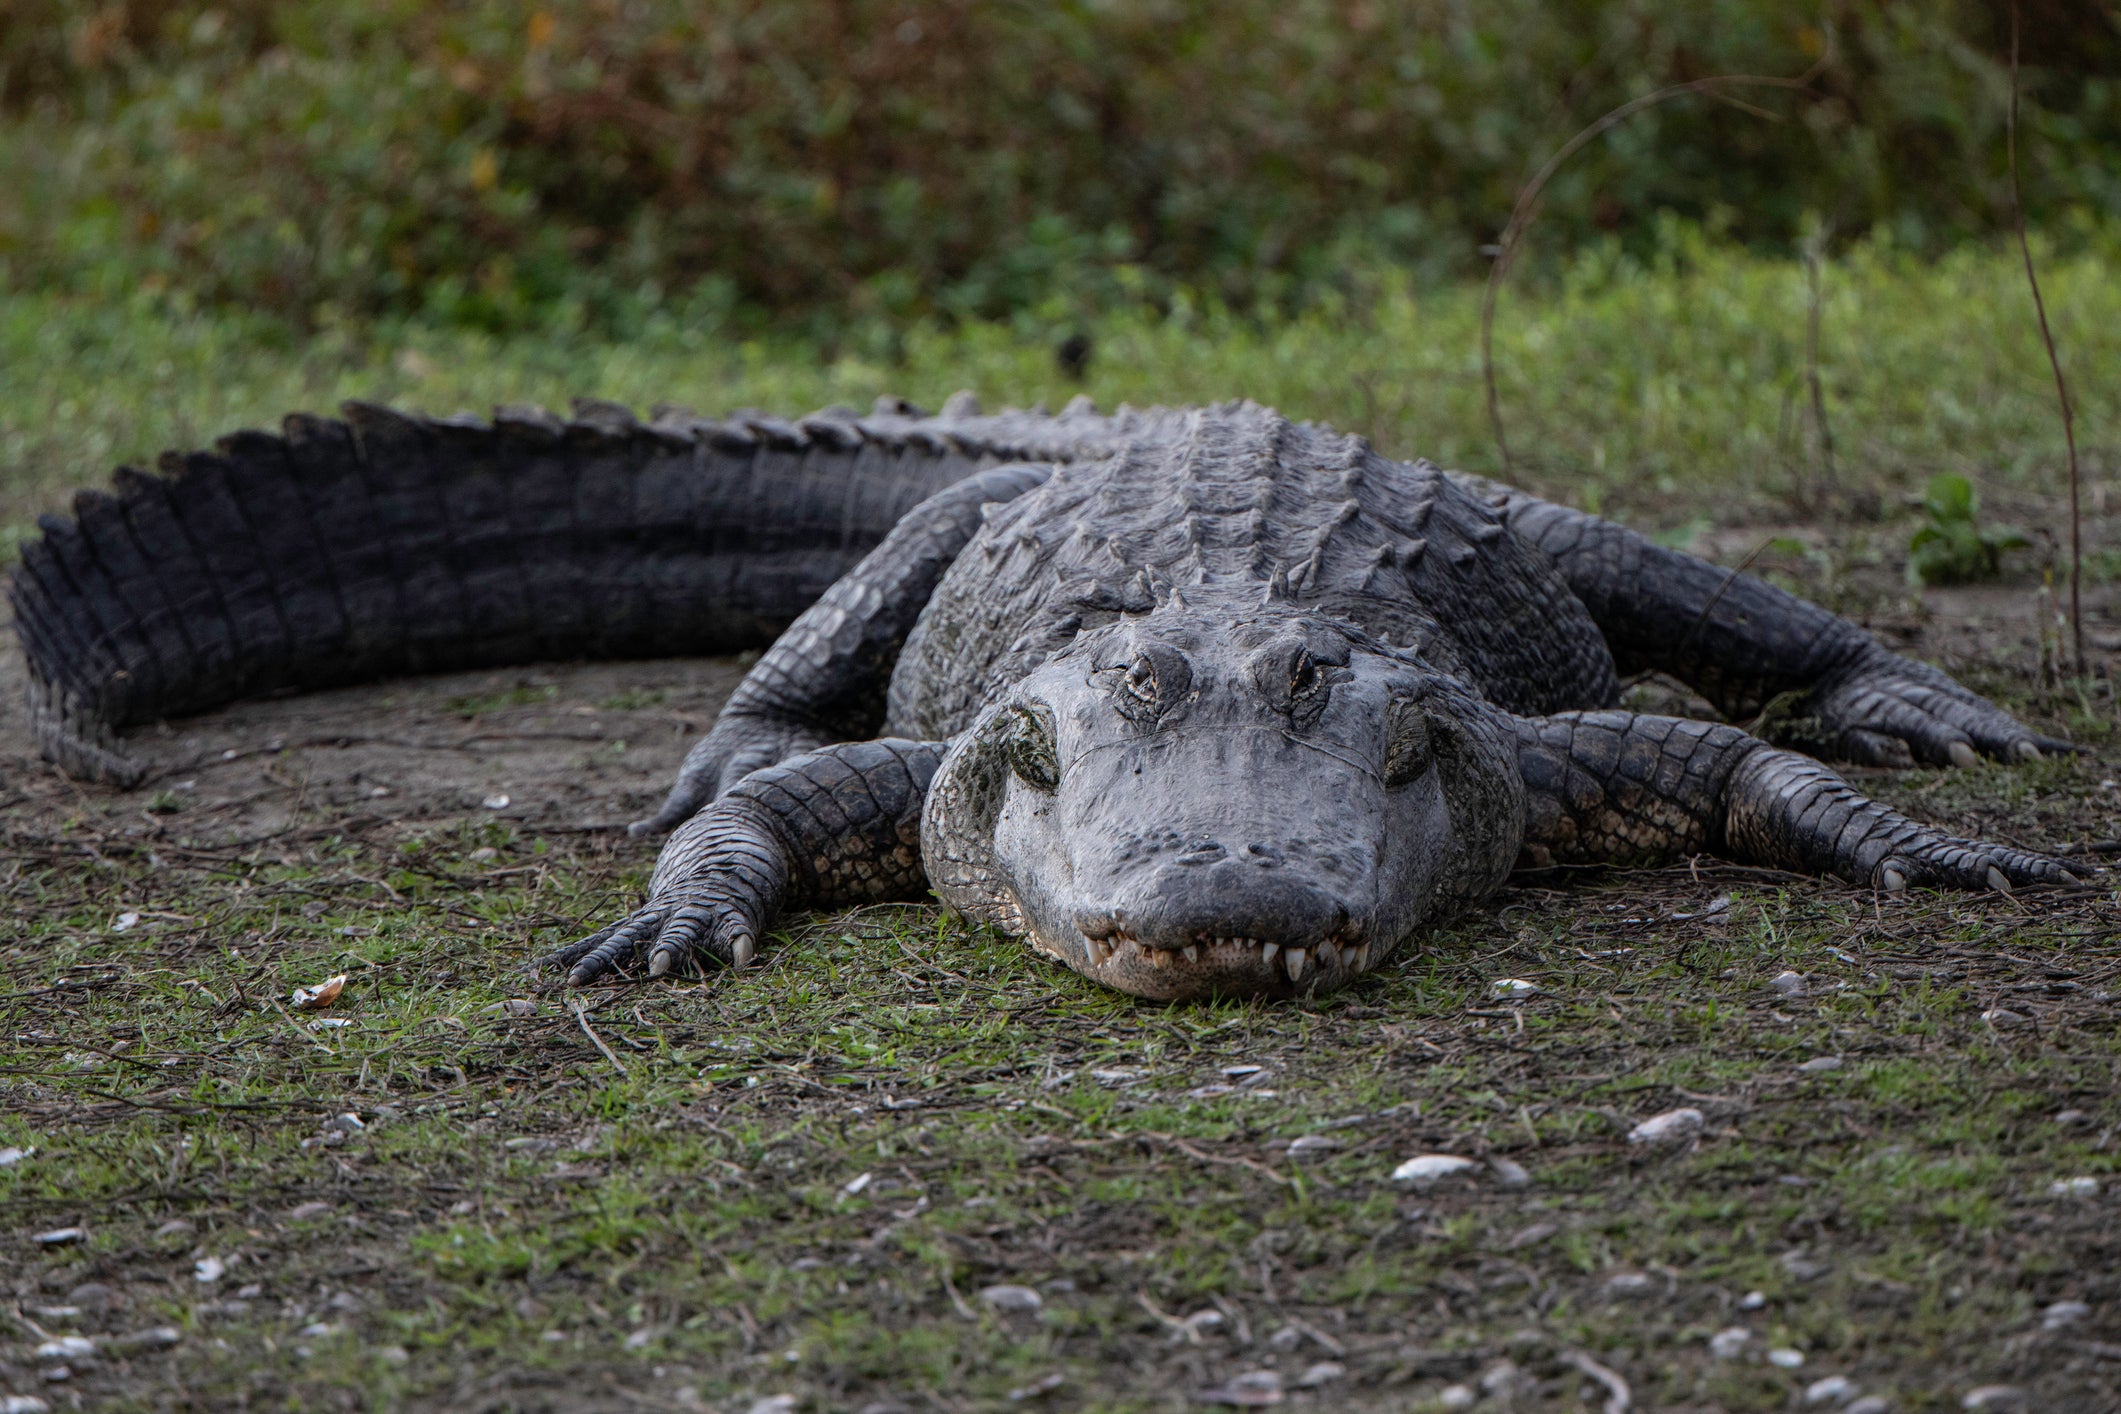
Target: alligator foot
column 829, row 828
column 670, row 936
column 1611, row 787
column 1891, row 711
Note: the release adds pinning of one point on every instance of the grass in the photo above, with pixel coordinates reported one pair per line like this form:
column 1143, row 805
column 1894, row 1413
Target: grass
column 804, row 1179
column 1623, row 384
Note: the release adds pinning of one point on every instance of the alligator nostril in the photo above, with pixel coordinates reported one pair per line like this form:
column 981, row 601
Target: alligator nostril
column 1263, row 854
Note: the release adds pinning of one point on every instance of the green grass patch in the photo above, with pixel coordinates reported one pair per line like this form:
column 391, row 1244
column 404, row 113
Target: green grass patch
column 807, row 1179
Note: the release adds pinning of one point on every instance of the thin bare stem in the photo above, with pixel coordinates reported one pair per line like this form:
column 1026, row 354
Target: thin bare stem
column 581, row 1014
column 1812, row 261
column 2054, row 362
column 1522, row 213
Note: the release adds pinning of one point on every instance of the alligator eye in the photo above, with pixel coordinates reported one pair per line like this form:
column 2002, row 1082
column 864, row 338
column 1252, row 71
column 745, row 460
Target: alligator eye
column 1030, row 747
column 1140, row 682
column 1151, row 686
column 1304, row 676
column 1407, row 753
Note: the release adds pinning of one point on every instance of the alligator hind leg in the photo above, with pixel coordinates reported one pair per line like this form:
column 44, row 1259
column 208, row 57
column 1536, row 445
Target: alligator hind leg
column 1617, row 788
column 1741, row 642
column 825, row 678
column 827, row 829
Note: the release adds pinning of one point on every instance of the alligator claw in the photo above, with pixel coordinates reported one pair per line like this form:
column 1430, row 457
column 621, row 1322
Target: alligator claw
column 662, row 938
column 1894, row 713
column 1942, row 862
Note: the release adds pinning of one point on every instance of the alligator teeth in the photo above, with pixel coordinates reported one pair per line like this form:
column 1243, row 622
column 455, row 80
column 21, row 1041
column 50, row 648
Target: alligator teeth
column 1192, row 952
column 1267, row 951
column 1328, row 956
column 1362, row 958
column 1295, row 961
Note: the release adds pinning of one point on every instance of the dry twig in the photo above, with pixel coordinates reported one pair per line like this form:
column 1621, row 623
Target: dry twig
column 1619, row 1398
column 1814, row 254
column 581, row 1014
column 2054, row 362
column 1528, row 198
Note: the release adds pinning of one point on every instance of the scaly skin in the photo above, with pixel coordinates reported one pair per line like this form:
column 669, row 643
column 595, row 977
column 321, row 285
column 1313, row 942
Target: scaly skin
column 1193, row 700
column 1135, row 784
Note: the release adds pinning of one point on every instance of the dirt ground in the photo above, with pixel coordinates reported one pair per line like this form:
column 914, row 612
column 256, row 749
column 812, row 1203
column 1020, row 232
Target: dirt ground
column 900, row 1166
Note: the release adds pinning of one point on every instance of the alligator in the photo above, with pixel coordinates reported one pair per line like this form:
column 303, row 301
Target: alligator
column 1192, row 700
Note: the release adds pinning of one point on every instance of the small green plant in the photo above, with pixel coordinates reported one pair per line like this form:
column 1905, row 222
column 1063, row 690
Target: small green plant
column 1954, row 547
column 523, row 694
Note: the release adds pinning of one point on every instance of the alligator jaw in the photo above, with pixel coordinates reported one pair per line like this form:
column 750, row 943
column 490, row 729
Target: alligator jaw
column 1221, row 966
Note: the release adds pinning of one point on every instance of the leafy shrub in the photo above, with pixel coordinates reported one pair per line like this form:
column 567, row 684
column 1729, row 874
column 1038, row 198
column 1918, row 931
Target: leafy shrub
column 495, row 162
column 1954, row 547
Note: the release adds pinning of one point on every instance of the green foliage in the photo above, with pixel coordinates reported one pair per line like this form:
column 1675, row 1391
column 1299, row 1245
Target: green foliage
column 1954, row 547
column 501, row 162
column 1626, row 382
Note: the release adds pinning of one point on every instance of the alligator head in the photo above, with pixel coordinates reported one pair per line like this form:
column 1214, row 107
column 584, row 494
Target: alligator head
column 1221, row 798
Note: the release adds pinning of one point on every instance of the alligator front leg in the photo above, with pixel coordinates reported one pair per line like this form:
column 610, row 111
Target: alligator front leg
column 828, row 829
column 1617, row 788
column 1741, row 642
column 824, row 679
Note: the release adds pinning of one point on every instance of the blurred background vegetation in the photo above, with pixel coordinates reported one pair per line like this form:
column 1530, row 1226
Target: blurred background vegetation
column 503, row 164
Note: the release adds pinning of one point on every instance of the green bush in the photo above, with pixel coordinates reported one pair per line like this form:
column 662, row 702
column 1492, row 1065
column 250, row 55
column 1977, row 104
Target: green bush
column 501, row 162
column 1952, row 546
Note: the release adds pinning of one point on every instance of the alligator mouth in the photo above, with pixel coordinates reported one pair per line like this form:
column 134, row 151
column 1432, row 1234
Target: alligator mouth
column 1251, row 959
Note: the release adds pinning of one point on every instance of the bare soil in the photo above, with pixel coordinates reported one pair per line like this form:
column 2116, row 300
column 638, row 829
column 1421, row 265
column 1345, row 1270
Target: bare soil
column 813, row 1179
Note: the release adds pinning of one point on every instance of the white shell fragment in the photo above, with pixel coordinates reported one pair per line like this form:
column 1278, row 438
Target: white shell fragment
column 1509, row 1173
column 1254, row 1389
column 1011, row 1298
column 10, row 1156
column 1671, row 1127
column 1821, row 1065
column 2063, row 1313
column 1834, row 1389
column 67, row 1347
column 2080, row 1187
column 1509, row 988
column 1788, row 984
column 1425, row 1169
column 496, row 801
column 320, row 996
column 1313, row 1146
column 1727, row 1344
column 1785, row 1359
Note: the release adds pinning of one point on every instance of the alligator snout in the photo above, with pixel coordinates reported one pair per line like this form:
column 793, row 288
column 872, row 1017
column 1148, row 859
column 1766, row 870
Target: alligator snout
column 1223, row 923
column 1186, row 903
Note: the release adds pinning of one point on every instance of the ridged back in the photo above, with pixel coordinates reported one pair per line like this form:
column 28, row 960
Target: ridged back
column 343, row 551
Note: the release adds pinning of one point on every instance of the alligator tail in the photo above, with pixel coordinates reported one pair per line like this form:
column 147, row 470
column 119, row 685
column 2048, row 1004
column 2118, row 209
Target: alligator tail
column 345, row 551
